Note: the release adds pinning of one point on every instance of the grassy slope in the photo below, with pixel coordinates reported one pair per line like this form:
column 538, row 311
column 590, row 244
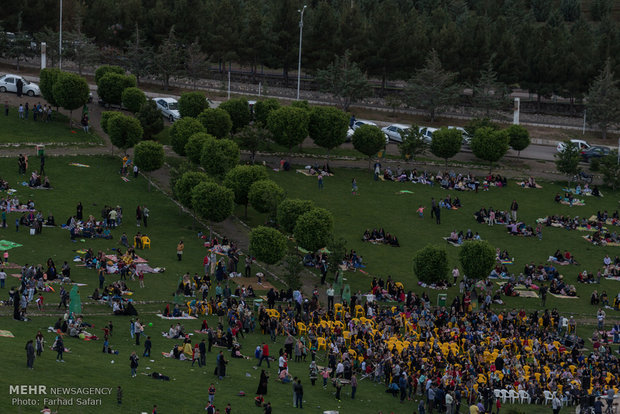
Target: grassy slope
column 18, row 131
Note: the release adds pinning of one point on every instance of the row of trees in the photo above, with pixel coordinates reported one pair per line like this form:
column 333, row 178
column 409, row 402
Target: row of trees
column 545, row 46
column 477, row 259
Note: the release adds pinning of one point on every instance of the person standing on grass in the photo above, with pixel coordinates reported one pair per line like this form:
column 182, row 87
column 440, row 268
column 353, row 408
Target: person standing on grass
column 26, row 110
column 133, row 363
column 147, row 347
column 84, row 122
column 138, row 216
column 20, row 111
column 354, row 186
column 2, row 278
column 30, row 354
column 211, row 394
column 59, row 348
column 320, row 177
column 139, row 330
column 353, row 386
column 145, row 215
column 180, row 248
column 513, row 210
column 119, row 395
column 203, row 353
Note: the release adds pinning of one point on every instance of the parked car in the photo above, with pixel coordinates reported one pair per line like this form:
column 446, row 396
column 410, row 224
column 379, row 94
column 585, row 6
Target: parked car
column 395, row 132
column 581, row 145
column 8, row 83
column 356, row 125
column 594, row 152
column 466, row 136
column 427, row 133
column 169, row 107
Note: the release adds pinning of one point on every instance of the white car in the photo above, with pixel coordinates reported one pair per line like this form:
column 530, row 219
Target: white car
column 169, row 107
column 395, row 132
column 581, row 145
column 427, row 132
column 8, row 83
column 356, row 125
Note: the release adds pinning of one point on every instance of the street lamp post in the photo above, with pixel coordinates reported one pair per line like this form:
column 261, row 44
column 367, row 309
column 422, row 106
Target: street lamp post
column 60, row 39
column 301, row 31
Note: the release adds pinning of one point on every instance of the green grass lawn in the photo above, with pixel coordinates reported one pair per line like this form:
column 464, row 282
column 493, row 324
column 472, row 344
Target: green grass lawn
column 377, row 205
column 26, row 131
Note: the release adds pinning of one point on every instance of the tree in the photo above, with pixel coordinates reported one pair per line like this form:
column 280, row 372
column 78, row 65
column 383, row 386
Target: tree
column 70, row 92
column 610, row 168
column 111, row 86
column 288, row 125
column 47, row 79
column 133, row 99
column 293, row 266
column 413, row 143
column 430, row 264
column 368, row 140
column 327, row 126
column 489, row 93
column 267, row 244
column 191, row 104
column 600, row 9
column 473, row 124
column 195, row 62
column 124, row 131
column 139, row 56
column 180, row 132
column 603, row 100
column 19, row 47
column 216, row 121
column 518, row 138
column 212, row 201
column 81, row 49
column 240, row 180
column 571, row 10
column 446, row 143
column 105, row 119
column 239, row 112
column 432, row 87
column 477, row 259
column 149, row 155
column 219, row 156
column 167, row 59
column 489, row 145
column 150, row 119
column 195, row 144
column 184, row 186
column 251, row 137
column 313, row 229
column 263, row 108
column 289, row 211
column 344, row 80
column 567, row 160
column 103, row 70
column 265, row 196
column 541, row 9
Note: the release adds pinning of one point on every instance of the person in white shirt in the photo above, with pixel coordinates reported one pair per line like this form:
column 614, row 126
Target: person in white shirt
column 340, row 370
column 330, row 297
column 2, row 278
column 455, row 273
column 281, row 363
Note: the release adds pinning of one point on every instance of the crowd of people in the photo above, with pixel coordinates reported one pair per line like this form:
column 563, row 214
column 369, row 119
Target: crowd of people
column 380, row 237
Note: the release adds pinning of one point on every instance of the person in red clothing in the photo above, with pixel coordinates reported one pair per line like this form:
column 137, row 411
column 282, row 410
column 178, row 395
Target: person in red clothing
column 264, row 355
column 205, row 263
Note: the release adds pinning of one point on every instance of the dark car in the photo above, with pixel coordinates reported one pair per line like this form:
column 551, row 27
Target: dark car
column 594, row 152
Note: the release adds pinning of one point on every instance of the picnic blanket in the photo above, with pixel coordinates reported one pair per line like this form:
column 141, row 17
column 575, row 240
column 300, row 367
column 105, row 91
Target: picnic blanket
column 563, row 296
column 8, row 245
column 305, row 172
column 581, row 193
column 137, row 260
column 77, row 164
column 524, row 184
column 125, row 179
column 453, row 243
column 527, row 294
column 6, row 334
column 605, row 243
column 401, row 192
column 175, row 317
column 506, row 262
column 576, row 203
